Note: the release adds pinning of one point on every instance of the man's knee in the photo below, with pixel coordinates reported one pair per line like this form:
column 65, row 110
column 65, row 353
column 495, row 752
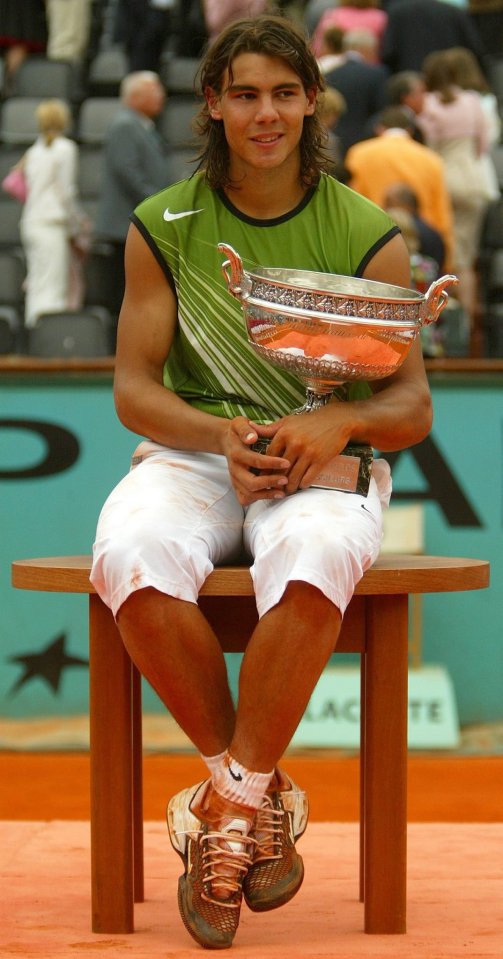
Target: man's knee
column 143, row 604
column 309, row 600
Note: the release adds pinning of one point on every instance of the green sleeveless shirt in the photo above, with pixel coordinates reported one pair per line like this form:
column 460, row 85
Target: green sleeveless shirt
column 211, row 364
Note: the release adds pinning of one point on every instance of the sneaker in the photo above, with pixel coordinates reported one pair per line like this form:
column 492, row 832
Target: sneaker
column 210, row 834
column 277, row 870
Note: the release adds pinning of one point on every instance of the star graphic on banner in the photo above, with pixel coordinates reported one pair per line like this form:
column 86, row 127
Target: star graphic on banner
column 47, row 664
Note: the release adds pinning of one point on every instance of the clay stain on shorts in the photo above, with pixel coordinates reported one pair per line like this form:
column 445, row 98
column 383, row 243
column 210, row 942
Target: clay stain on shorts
column 136, row 578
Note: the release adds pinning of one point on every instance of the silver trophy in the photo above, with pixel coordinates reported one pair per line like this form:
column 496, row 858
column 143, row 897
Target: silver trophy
column 329, row 330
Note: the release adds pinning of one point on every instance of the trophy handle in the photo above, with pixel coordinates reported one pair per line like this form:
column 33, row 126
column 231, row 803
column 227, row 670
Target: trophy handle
column 435, row 299
column 232, row 270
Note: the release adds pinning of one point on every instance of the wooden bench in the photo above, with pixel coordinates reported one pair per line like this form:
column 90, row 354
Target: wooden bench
column 375, row 626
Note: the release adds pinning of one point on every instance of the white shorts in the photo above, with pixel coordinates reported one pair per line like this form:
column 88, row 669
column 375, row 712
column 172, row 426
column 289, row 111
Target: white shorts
column 175, row 516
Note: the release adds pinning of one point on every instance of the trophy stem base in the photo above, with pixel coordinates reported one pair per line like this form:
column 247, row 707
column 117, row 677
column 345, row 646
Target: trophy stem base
column 314, row 400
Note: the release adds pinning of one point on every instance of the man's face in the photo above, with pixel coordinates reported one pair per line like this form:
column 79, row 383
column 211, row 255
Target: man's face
column 150, row 98
column 262, row 109
column 414, row 99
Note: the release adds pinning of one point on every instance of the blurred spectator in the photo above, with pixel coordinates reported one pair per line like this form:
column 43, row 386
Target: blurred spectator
column 192, row 34
column 400, row 196
column 313, row 11
column 135, row 165
column 467, row 74
column 487, row 16
column 364, row 44
column 143, row 28
column 23, row 30
column 393, row 156
column 331, row 50
column 405, row 90
column 362, row 84
column 51, row 221
column 454, row 125
column 68, row 27
column 423, row 271
column 218, row 13
column 358, row 15
column 332, row 106
column 416, row 28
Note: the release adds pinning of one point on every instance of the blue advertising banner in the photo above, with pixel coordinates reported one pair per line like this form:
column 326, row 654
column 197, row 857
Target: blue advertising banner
column 62, row 449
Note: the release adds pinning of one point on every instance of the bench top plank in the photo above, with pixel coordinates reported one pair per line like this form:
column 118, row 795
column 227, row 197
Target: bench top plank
column 392, row 574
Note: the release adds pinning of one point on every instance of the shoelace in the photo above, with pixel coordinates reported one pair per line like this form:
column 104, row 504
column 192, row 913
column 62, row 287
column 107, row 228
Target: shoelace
column 214, row 855
column 268, row 831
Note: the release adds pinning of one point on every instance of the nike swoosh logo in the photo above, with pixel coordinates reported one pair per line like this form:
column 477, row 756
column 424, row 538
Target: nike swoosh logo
column 168, row 215
column 237, row 776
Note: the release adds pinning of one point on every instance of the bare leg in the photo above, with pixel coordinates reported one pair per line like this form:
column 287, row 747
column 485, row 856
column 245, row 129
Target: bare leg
column 174, row 647
column 282, row 663
column 176, row 650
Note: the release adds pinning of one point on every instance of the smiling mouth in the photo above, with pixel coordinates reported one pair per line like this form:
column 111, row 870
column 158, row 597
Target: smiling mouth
column 272, row 138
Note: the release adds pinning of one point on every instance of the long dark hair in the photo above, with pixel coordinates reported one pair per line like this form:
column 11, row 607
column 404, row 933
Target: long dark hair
column 273, row 36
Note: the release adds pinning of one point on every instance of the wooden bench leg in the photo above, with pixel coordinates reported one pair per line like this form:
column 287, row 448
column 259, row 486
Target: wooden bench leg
column 137, row 785
column 385, row 776
column 110, row 674
column 363, row 699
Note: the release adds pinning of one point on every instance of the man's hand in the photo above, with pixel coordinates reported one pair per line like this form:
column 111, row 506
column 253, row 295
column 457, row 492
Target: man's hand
column 300, row 445
column 269, row 479
column 309, row 441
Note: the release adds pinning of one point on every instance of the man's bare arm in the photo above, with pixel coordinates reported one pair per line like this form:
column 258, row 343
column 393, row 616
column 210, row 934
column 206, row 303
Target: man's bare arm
column 147, row 327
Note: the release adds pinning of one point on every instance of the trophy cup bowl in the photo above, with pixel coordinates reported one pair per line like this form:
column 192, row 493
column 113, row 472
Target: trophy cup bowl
column 327, row 330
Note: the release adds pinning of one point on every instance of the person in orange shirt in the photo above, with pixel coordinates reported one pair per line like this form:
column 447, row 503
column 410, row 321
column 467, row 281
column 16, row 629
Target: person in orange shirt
column 393, row 156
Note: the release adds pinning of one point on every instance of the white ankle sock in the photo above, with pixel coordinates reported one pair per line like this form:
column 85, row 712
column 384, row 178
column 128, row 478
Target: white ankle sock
column 214, row 762
column 239, row 784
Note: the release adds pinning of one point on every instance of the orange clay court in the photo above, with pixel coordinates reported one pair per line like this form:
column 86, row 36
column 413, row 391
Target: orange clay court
column 455, row 851
column 55, row 785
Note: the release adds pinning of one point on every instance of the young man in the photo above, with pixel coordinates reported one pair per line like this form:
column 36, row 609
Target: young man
column 187, row 380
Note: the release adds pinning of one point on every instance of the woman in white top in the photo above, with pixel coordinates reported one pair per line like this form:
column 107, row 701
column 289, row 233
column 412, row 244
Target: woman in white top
column 454, row 124
column 468, row 75
column 50, row 217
